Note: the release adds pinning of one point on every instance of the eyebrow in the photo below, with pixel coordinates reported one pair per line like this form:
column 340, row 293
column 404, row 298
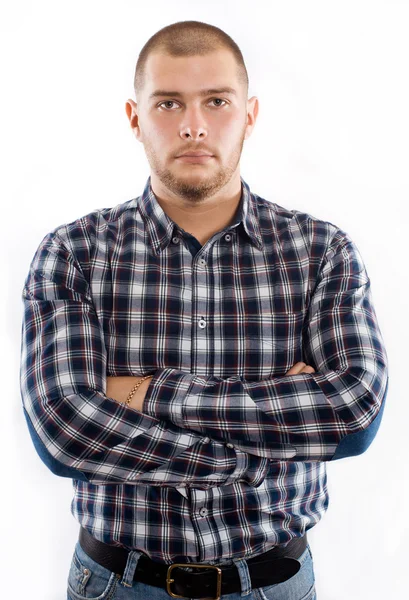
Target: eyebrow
column 225, row 90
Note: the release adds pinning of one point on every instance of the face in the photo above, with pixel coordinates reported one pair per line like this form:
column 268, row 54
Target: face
column 216, row 123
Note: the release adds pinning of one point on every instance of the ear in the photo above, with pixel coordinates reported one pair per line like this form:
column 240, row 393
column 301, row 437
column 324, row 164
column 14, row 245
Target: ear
column 252, row 112
column 131, row 111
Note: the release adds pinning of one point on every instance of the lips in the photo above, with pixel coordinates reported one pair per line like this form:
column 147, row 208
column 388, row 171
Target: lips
column 198, row 159
column 194, row 153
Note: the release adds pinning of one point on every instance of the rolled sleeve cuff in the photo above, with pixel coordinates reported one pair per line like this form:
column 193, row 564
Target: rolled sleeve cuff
column 166, row 394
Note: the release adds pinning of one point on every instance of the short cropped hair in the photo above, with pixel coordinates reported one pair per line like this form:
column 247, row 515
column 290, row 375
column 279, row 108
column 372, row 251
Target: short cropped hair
column 188, row 38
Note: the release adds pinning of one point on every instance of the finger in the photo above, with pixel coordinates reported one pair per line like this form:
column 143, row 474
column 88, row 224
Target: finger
column 297, row 368
column 308, row 369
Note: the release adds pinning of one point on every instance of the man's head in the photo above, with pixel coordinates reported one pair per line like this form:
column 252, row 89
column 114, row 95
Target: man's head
column 195, row 63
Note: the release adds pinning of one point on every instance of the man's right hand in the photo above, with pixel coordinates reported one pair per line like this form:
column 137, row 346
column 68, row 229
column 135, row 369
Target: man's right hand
column 300, row 367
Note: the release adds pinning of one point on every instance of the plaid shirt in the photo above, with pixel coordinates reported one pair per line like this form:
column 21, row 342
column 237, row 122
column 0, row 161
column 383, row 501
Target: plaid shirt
column 228, row 457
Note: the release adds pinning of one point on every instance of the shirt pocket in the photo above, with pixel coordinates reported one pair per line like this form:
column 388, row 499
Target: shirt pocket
column 281, row 330
column 275, row 342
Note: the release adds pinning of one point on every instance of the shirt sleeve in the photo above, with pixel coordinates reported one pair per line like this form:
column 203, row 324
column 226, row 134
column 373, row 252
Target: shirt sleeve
column 76, row 429
column 330, row 414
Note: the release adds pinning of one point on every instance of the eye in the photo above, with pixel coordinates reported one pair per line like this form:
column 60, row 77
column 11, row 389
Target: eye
column 166, row 102
column 173, row 102
column 220, row 101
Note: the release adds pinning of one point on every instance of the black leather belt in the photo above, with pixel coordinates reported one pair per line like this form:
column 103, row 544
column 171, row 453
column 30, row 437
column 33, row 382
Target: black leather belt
column 181, row 580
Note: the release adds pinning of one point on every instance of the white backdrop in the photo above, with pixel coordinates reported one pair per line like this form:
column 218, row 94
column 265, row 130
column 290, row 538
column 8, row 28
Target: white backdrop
column 331, row 139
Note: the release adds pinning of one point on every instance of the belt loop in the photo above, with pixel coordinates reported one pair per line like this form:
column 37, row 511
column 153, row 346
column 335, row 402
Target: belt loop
column 244, row 575
column 130, row 568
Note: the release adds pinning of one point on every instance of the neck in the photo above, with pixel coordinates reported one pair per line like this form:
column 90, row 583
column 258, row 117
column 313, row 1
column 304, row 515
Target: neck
column 202, row 219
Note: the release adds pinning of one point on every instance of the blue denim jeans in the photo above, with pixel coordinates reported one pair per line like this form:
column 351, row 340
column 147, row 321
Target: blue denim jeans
column 87, row 579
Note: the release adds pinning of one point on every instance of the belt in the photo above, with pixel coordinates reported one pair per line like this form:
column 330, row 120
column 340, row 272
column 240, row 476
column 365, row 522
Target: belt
column 274, row 566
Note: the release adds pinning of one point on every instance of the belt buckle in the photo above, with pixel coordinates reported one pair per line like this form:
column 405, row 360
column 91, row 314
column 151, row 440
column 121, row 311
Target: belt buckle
column 195, row 566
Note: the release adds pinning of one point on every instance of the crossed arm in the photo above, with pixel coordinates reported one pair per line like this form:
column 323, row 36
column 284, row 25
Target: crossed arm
column 178, row 423
column 119, row 387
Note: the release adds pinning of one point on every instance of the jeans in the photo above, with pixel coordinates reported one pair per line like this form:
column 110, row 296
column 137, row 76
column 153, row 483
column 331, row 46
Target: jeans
column 88, row 579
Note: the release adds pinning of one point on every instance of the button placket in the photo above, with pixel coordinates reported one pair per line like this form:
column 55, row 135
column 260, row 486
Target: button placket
column 200, row 498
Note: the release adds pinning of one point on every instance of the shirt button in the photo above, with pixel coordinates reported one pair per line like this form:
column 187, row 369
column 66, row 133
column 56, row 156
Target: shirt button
column 202, row 262
column 202, row 324
column 203, row 512
column 227, row 237
column 175, row 240
column 230, row 445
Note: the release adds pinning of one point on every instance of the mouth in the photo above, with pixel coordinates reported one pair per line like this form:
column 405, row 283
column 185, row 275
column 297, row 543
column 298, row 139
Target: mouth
column 199, row 158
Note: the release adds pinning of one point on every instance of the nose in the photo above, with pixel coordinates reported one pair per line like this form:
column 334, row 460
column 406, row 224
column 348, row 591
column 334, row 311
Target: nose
column 193, row 126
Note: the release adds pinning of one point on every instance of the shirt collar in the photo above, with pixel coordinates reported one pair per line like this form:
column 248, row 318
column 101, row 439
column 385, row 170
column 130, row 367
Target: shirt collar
column 161, row 227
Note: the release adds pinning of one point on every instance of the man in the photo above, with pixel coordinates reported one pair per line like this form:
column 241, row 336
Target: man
column 193, row 357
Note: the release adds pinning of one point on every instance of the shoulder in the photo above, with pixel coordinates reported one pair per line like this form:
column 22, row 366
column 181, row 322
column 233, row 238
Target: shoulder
column 304, row 225
column 95, row 221
column 86, row 239
column 79, row 237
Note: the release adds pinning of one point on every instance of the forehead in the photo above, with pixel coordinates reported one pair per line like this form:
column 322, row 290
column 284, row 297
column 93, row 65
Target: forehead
column 188, row 74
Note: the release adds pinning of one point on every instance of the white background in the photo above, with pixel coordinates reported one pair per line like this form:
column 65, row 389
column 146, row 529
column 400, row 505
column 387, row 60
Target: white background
column 331, row 139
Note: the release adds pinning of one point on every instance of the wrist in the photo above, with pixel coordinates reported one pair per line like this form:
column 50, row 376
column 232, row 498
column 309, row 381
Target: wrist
column 137, row 394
